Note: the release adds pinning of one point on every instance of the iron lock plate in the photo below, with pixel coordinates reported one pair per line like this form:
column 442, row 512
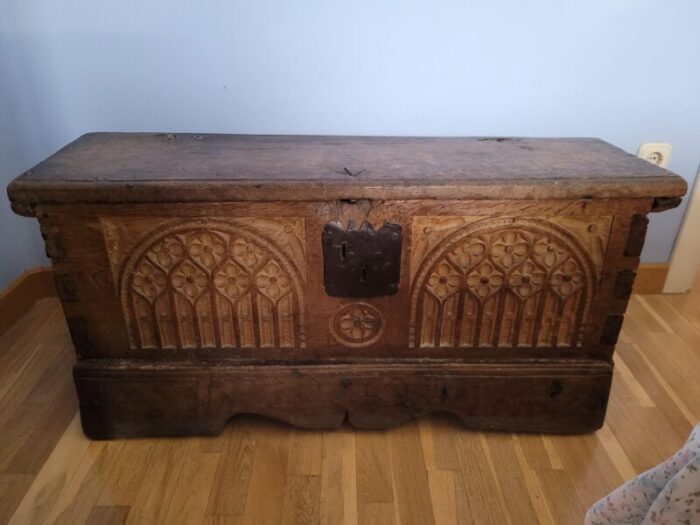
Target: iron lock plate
column 361, row 262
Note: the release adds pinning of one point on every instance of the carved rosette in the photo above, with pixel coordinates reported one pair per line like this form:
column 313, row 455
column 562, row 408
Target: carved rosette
column 356, row 325
column 211, row 284
column 502, row 282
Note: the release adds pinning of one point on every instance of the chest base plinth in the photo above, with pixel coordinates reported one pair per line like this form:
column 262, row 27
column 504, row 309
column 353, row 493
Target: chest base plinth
column 129, row 398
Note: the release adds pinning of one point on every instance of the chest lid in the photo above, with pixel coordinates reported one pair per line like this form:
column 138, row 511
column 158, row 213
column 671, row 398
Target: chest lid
column 185, row 167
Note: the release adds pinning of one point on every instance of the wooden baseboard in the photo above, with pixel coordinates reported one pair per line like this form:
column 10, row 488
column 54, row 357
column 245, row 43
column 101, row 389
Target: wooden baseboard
column 650, row 278
column 22, row 293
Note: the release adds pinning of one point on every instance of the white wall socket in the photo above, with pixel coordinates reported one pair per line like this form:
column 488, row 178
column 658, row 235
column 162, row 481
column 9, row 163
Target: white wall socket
column 655, row 152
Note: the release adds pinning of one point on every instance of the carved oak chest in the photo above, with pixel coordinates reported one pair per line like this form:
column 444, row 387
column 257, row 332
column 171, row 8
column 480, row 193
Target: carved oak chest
column 314, row 279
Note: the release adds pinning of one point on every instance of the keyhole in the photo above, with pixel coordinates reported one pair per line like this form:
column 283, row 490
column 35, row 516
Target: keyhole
column 343, row 253
column 363, row 274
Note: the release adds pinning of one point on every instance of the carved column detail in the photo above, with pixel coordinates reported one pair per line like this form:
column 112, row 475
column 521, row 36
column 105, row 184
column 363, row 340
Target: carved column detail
column 504, row 282
column 207, row 283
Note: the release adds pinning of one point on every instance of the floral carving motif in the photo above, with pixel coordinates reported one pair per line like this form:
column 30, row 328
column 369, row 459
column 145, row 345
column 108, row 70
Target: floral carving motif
column 206, row 248
column 247, row 253
column 506, row 281
column 504, row 260
column 509, row 249
column 357, row 325
column 149, row 281
column 567, row 279
column 485, row 280
column 189, row 280
column 273, row 282
column 444, row 281
column 527, row 279
column 549, row 252
column 467, row 254
column 168, row 252
column 211, row 283
column 231, row 281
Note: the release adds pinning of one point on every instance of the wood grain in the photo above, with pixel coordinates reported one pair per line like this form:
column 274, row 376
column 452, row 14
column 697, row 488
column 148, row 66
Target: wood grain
column 137, row 167
column 505, row 281
column 18, row 298
column 155, row 285
column 488, row 278
column 210, row 282
column 247, row 474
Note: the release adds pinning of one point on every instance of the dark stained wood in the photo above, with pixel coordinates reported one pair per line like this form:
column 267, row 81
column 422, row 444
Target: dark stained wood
column 665, row 203
column 191, row 272
column 624, row 284
column 638, row 232
column 611, row 330
column 129, row 398
column 150, row 167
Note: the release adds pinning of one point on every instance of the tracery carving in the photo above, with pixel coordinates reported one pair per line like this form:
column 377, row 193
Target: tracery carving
column 211, row 283
column 503, row 282
column 444, row 281
column 485, row 280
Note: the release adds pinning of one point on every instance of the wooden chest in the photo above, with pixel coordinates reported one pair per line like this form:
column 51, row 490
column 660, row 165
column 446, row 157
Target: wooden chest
column 314, row 279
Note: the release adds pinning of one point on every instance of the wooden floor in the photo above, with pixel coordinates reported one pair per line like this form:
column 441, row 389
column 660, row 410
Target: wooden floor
column 260, row 471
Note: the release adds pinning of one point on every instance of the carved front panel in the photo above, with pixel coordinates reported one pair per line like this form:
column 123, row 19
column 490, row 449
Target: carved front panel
column 504, row 282
column 204, row 283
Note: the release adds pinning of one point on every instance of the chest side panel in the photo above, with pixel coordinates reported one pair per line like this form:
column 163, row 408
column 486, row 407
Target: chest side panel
column 215, row 282
column 505, row 281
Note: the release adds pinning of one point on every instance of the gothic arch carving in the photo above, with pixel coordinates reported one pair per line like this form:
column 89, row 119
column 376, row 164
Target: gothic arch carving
column 503, row 282
column 209, row 283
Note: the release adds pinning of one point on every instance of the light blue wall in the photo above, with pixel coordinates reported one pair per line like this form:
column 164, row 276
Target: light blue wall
column 627, row 71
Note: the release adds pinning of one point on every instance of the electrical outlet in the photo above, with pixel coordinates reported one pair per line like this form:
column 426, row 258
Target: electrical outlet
column 655, row 152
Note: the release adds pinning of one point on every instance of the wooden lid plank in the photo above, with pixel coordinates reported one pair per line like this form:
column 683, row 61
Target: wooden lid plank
column 186, row 167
